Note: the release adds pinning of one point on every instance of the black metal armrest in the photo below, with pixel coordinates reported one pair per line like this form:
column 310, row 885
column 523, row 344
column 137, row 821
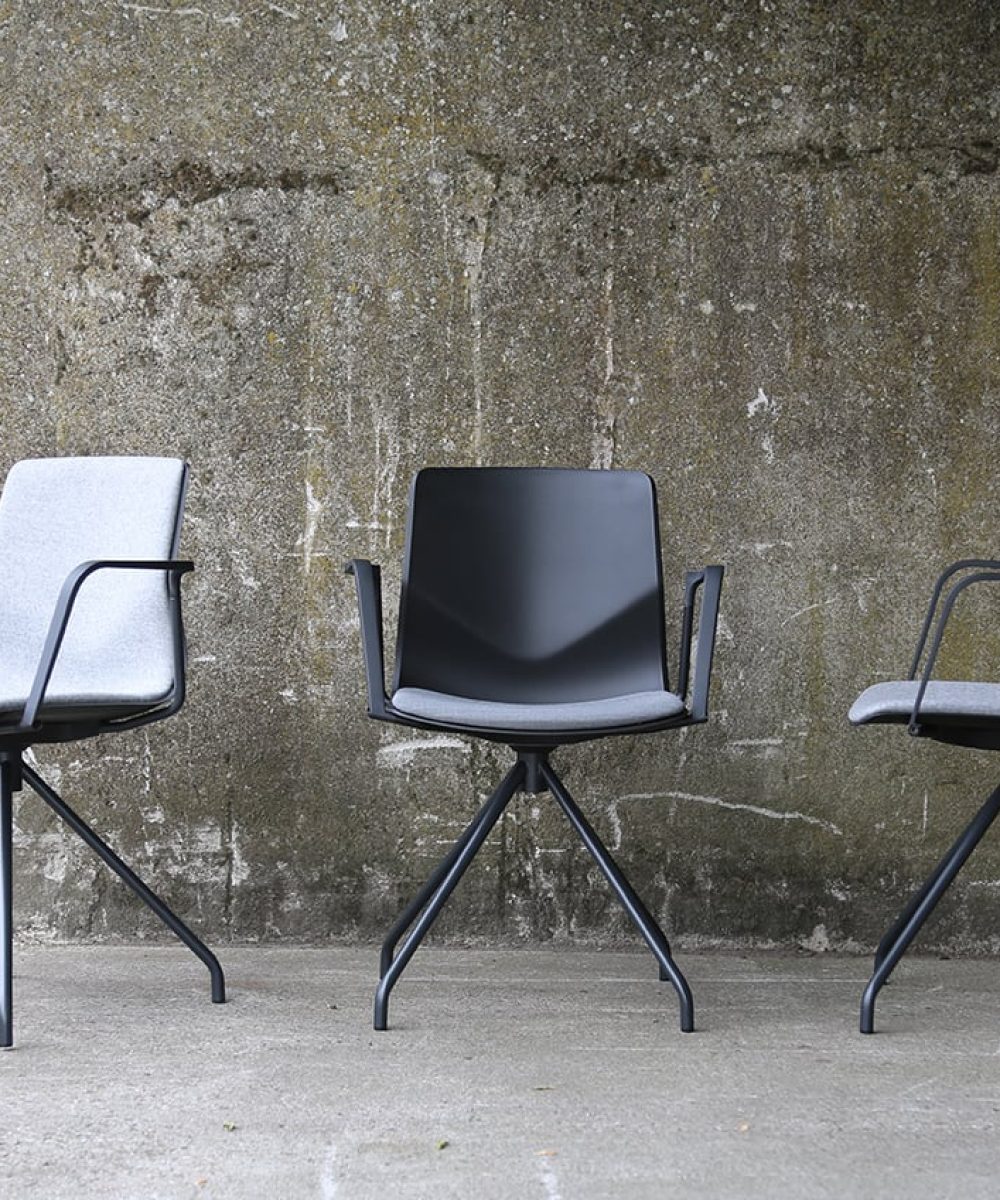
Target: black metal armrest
column 368, row 579
column 963, row 564
column 710, row 580
column 174, row 568
column 992, row 576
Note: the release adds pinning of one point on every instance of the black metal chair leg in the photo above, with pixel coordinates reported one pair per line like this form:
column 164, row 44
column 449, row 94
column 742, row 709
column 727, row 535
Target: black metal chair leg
column 915, row 901
column 635, row 908
column 7, row 776
column 919, row 896
column 636, row 900
column 484, row 822
column 416, row 905
column 129, row 877
column 906, row 927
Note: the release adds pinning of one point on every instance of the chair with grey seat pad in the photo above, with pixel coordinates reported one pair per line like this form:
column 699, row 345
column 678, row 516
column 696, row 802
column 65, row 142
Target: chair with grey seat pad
column 531, row 614
column 954, row 711
column 91, row 639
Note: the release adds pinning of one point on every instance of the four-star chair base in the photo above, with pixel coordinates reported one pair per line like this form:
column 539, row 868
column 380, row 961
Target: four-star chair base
column 14, row 773
column 533, row 774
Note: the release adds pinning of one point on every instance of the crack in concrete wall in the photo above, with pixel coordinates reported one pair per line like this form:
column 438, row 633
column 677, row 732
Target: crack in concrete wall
column 189, row 183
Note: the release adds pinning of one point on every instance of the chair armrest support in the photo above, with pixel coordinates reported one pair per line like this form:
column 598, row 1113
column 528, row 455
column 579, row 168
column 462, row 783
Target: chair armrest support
column 174, row 568
column 368, row 580
column 963, row 564
column 710, row 580
column 949, row 604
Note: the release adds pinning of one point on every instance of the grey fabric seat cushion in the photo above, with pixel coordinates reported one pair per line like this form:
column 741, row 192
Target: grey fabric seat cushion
column 634, row 709
column 56, row 514
column 947, row 700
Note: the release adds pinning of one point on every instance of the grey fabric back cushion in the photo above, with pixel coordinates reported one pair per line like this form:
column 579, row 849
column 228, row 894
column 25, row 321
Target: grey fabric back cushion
column 56, row 513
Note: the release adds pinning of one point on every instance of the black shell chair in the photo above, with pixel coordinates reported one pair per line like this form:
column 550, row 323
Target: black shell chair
column 531, row 614
column 962, row 713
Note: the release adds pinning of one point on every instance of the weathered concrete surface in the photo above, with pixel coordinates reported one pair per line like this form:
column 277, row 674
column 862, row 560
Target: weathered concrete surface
column 545, row 1075
column 311, row 247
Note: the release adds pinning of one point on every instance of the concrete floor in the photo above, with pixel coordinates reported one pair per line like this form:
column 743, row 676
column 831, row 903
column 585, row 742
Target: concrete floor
column 545, row 1073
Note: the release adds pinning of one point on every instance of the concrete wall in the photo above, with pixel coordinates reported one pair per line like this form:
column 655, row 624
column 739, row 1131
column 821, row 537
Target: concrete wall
column 753, row 249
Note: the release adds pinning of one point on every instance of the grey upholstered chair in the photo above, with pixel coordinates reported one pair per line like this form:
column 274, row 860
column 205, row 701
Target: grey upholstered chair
column 962, row 713
column 91, row 638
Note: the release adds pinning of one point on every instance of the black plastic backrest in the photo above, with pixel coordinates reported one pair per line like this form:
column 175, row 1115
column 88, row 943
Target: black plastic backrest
column 531, row 585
